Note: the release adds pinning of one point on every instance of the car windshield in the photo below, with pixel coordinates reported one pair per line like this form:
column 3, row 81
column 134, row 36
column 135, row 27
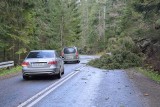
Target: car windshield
column 41, row 55
column 69, row 50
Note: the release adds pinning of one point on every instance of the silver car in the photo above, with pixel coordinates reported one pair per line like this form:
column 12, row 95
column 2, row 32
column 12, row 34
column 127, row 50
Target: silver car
column 42, row 62
column 70, row 54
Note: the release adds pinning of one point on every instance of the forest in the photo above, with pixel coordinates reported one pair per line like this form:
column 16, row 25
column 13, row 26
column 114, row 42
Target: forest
column 130, row 29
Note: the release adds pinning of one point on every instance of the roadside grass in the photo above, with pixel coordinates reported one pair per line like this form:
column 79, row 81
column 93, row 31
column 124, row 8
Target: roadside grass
column 149, row 73
column 5, row 71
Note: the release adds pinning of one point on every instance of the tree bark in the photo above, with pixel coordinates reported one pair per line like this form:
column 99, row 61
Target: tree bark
column 61, row 30
column 4, row 54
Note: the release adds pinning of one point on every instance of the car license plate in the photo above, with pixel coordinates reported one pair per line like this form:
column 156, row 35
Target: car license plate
column 70, row 57
column 38, row 64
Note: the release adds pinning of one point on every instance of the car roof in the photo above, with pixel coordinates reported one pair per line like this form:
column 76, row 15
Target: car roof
column 42, row 51
column 70, row 47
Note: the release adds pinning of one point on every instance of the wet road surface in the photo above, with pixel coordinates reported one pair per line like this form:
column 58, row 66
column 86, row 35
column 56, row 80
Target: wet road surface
column 95, row 88
column 89, row 87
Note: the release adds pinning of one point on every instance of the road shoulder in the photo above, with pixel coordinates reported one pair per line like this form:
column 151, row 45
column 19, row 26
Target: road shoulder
column 149, row 88
column 10, row 75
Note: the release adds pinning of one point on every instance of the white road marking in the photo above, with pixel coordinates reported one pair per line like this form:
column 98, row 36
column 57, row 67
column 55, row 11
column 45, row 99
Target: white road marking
column 36, row 98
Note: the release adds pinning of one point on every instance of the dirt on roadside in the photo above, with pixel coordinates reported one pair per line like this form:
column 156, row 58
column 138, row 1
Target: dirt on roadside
column 149, row 88
column 10, row 75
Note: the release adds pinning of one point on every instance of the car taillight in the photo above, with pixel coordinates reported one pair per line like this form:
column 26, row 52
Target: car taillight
column 62, row 54
column 52, row 62
column 77, row 54
column 25, row 64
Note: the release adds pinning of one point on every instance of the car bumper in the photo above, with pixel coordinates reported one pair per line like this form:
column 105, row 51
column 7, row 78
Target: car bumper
column 49, row 71
column 70, row 60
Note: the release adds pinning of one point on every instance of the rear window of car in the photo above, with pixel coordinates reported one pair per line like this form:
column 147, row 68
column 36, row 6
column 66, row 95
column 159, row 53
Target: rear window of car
column 41, row 55
column 69, row 50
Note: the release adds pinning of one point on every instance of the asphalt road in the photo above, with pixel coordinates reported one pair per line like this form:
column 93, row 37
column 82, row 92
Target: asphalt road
column 80, row 86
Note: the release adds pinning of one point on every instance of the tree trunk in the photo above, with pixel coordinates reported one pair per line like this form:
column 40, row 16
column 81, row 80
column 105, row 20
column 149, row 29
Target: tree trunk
column 61, row 30
column 4, row 54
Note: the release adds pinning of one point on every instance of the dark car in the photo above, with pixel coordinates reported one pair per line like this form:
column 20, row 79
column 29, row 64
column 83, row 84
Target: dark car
column 42, row 62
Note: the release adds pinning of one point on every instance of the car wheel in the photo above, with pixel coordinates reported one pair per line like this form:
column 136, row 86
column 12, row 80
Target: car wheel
column 78, row 61
column 25, row 77
column 63, row 71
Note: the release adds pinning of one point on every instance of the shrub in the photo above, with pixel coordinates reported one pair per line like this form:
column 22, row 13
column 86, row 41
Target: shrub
column 118, row 60
column 124, row 54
